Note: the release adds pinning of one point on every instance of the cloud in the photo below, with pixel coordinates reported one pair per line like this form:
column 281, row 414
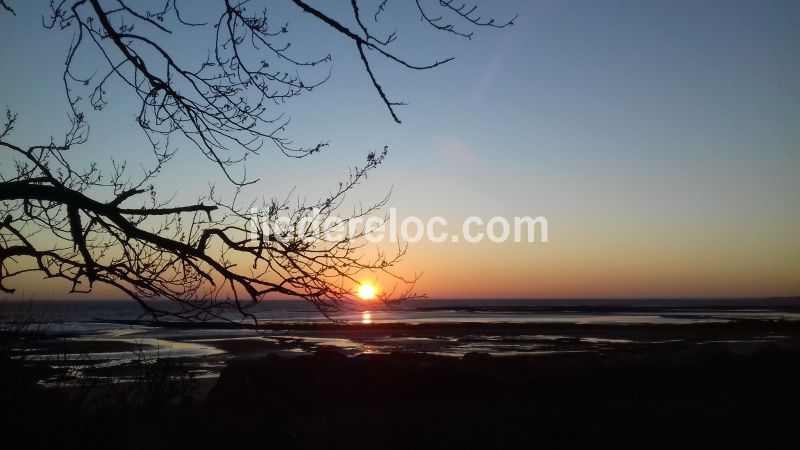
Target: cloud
column 457, row 150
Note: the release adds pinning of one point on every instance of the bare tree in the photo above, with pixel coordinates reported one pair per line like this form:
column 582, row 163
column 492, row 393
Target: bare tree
column 81, row 224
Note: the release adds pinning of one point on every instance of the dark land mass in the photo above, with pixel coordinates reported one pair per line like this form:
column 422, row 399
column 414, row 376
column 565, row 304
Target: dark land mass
column 665, row 397
column 716, row 384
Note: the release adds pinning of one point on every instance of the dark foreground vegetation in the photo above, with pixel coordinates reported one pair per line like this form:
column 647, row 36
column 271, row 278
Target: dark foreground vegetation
column 643, row 397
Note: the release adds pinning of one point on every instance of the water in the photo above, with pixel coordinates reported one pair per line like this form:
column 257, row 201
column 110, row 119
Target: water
column 107, row 330
column 92, row 315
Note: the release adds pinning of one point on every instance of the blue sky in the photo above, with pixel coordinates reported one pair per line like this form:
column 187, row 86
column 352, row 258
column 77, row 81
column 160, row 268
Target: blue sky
column 660, row 139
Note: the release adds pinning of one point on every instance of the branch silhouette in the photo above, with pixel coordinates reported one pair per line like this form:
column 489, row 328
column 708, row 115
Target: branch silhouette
column 77, row 222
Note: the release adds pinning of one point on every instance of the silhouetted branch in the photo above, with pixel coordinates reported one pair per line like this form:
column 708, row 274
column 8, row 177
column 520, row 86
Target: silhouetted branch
column 204, row 257
column 6, row 7
column 468, row 13
column 226, row 102
column 83, row 225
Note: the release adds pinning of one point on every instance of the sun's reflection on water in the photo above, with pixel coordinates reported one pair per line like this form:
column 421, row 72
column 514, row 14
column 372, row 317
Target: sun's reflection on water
column 366, row 317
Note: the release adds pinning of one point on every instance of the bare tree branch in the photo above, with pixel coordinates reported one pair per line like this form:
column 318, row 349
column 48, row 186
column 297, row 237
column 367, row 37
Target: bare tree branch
column 202, row 256
column 6, row 7
column 90, row 225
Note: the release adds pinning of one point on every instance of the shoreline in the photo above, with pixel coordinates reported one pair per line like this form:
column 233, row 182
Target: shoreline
column 207, row 350
column 644, row 385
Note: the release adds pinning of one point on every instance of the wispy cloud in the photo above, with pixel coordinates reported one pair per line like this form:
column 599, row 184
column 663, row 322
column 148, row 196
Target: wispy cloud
column 457, row 150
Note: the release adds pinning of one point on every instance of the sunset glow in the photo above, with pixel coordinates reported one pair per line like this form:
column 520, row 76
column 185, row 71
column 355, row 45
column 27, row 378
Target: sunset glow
column 366, row 291
column 363, row 224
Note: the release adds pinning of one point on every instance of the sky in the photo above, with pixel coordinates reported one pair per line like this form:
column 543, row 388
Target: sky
column 660, row 140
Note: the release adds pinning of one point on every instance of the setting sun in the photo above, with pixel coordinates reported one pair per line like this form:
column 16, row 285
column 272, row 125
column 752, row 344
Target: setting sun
column 366, row 291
